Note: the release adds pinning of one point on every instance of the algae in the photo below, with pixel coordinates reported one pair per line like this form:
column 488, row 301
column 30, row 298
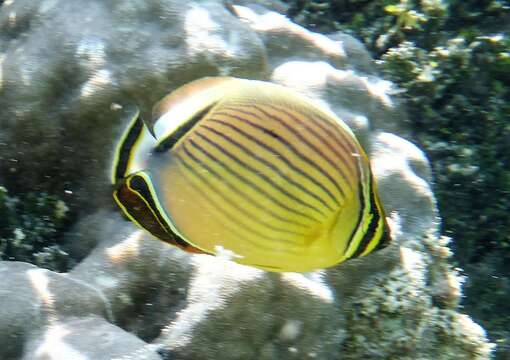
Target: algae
column 29, row 229
column 451, row 62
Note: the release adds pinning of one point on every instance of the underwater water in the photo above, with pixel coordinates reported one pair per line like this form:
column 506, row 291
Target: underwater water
column 421, row 87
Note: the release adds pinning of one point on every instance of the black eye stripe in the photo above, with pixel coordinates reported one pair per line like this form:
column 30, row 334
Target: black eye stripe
column 127, row 144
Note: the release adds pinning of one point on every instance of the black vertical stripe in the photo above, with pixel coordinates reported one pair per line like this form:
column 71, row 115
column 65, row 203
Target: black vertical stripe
column 359, row 218
column 125, row 150
column 375, row 221
column 385, row 238
column 158, row 228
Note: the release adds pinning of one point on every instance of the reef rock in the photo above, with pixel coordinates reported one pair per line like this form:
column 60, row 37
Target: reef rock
column 67, row 71
column 68, row 74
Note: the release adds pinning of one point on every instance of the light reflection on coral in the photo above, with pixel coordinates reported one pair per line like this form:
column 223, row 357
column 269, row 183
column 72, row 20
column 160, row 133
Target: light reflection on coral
column 202, row 32
column 311, row 283
column 380, row 89
column 54, row 347
column 40, row 282
column 2, row 59
column 98, row 81
column 125, row 250
column 274, row 22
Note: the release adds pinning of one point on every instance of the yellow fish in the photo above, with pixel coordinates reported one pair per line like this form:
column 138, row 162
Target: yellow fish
column 253, row 168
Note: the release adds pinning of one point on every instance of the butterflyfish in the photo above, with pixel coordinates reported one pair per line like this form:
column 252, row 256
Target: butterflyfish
column 254, row 168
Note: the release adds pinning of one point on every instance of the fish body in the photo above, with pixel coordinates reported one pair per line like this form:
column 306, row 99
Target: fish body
column 254, row 168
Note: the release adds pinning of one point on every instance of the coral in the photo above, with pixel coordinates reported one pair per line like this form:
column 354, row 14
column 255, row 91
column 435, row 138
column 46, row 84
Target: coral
column 458, row 91
column 460, row 124
column 29, row 229
column 451, row 63
column 59, row 88
column 137, row 298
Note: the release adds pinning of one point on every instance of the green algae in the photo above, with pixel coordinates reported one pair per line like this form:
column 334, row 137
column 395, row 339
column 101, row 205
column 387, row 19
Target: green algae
column 29, row 229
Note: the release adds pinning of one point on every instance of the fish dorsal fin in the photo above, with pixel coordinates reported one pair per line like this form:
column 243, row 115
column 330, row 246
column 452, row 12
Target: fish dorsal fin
column 184, row 103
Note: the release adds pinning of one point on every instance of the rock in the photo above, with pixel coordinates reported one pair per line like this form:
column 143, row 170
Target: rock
column 135, row 296
column 83, row 78
column 143, row 279
column 32, row 298
column 87, row 338
column 246, row 313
